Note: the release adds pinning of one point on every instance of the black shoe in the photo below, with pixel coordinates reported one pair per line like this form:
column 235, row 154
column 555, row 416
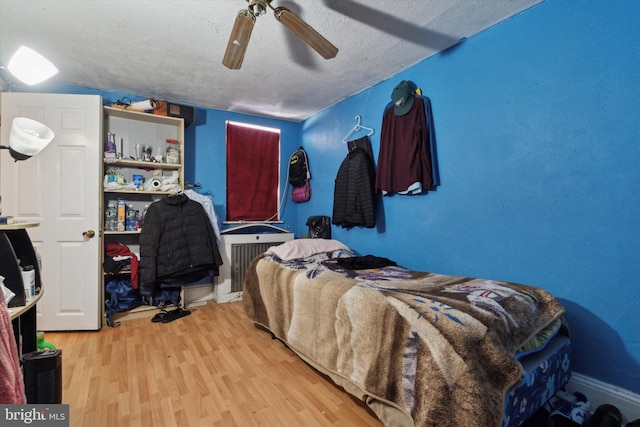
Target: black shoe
column 605, row 416
column 561, row 421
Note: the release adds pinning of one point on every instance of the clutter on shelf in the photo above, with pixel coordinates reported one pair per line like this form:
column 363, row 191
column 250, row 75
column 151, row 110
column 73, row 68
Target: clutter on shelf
column 165, row 181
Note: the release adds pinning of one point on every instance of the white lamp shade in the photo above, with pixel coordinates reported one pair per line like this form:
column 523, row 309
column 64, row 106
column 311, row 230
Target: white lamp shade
column 28, row 137
column 30, row 67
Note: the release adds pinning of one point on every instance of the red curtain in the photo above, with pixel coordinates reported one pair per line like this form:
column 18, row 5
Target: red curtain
column 252, row 173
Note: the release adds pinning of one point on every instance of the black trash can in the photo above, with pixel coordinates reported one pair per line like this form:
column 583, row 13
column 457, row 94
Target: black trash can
column 43, row 376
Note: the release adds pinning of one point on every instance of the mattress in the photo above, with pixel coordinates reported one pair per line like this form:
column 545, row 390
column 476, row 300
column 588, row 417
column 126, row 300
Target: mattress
column 545, row 372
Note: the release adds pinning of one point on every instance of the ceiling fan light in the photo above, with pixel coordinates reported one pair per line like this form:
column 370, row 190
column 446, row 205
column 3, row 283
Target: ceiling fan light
column 30, row 67
column 303, row 30
column 239, row 39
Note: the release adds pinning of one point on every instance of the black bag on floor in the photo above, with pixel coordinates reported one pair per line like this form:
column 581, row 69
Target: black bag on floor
column 319, row 227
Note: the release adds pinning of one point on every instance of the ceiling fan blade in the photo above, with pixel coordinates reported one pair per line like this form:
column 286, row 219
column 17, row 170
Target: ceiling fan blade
column 303, row 30
column 239, row 39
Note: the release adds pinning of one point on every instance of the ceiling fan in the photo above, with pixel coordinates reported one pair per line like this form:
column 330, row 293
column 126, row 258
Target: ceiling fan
column 246, row 19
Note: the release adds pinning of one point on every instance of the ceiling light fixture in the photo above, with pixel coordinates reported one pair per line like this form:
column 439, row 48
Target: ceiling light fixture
column 30, row 67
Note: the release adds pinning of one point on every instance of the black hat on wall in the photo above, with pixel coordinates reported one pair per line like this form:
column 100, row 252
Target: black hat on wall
column 402, row 97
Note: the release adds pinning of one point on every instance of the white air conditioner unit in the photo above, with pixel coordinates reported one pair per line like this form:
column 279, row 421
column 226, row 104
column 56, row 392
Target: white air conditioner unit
column 237, row 251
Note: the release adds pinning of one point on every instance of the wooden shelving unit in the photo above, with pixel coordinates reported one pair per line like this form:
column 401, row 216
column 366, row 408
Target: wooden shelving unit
column 131, row 128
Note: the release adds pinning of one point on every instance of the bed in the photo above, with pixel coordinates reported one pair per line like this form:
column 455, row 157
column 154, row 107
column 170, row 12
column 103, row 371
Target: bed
column 421, row 349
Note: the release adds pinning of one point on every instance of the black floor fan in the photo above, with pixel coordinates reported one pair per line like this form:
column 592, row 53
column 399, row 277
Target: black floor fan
column 43, row 376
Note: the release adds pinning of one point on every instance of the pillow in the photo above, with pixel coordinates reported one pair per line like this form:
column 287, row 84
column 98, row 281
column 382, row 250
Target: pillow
column 303, row 248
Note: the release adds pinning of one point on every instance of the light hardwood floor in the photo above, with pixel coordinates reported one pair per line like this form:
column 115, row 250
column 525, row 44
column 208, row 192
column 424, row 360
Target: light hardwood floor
column 211, row 368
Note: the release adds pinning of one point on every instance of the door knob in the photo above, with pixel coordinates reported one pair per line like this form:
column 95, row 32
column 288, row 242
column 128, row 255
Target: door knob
column 89, row 234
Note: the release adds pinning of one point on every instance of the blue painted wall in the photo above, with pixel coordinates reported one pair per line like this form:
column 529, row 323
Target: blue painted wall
column 205, row 161
column 539, row 153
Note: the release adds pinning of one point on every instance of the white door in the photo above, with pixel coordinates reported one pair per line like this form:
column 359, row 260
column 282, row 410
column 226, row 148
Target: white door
column 59, row 188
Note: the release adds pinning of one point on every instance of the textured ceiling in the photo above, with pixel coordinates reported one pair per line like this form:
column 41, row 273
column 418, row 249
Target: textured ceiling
column 172, row 49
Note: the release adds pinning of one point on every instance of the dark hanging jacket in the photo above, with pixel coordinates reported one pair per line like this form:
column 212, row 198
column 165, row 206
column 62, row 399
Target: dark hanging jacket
column 177, row 244
column 407, row 152
column 353, row 202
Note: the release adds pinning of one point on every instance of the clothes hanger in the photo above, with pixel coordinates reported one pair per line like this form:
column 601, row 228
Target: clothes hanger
column 355, row 129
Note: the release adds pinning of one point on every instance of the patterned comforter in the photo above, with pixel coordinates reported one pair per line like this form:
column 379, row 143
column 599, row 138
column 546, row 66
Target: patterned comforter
column 421, row 349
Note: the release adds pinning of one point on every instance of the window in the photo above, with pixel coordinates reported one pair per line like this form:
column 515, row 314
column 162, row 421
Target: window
column 253, row 172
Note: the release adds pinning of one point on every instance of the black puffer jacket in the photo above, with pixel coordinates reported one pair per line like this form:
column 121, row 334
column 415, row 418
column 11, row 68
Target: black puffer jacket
column 177, row 243
column 353, row 199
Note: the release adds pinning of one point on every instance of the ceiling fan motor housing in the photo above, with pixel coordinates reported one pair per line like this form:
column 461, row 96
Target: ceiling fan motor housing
column 258, row 7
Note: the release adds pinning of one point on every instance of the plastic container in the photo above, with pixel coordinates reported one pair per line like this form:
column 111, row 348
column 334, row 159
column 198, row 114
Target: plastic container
column 131, row 215
column 173, row 151
column 142, row 215
column 138, row 220
column 111, row 218
column 138, row 181
column 29, row 281
column 110, row 145
column 38, row 257
column 147, row 151
column 121, row 215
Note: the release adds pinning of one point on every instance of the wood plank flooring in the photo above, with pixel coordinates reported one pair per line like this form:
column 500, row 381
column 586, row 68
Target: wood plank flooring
column 211, row 368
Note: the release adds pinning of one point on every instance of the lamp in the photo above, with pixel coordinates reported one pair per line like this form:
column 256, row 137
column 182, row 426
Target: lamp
column 27, row 138
column 30, row 67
